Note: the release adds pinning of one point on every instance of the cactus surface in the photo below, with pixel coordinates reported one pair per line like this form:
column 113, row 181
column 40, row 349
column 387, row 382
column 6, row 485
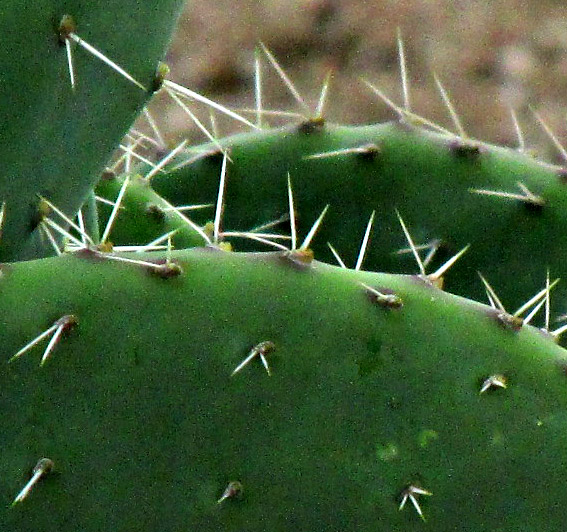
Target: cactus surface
column 143, row 216
column 58, row 137
column 199, row 389
column 362, row 390
column 430, row 178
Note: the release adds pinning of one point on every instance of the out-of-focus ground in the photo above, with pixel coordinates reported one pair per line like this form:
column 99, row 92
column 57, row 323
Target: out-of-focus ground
column 490, row 56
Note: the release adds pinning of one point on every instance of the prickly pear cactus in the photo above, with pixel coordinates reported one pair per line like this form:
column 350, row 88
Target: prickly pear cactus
column 200, row 389
column 205, row 390
column 75, row 75
column 142, row 216
column 450, row 192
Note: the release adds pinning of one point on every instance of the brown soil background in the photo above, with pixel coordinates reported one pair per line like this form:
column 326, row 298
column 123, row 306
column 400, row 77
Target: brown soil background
column 490, row 56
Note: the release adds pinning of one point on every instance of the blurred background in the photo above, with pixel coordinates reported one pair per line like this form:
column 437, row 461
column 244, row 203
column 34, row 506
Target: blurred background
column 490, row 56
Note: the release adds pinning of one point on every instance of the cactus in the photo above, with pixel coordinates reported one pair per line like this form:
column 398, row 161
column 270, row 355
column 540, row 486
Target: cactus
column 422, row 174
column 198, row 389
column 206, row 390
column 142, row 216
column 58, row 137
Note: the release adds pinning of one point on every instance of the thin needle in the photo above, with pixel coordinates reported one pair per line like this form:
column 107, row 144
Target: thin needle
column 313, row 230
column 158, row 167
column 439, row 273
column 256, row 237
column 169, row 207
column 160, row 239
column 47, row 221
column 542, row 294
column 194, row 118
column 70, row 62
column 271, row 224
column 492, row 294
column 452, row 112
column 433, row 248
column 81, row 222
column 114, row 211
column 558, row 332
column 2, row 213
column 35, row 341
column 213, row 120
column 220, row 202
column 129, row 153
column 364, row 245
column 128, row 156
column 551, row 135
column 51, row 238
column 403, row 113
column 42, row 468
column 323, row 96
column 52, row 342
column 258, row 87
column 105, row 59
column 519, row 133
column 291, row 214
column 534, row 311
column 154, row 127
column 336, row 255
column 260, row 350
column 195, row 96
column 526, row 197
column 403, row 71
column 285, row 78
column 547, row 301
column 412, row 245
column 67, row 220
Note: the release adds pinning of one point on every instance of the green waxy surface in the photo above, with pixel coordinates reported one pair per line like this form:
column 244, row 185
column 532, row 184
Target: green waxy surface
column 426, row 176
column 143, row 215
column 56, row 140
column 137, row 408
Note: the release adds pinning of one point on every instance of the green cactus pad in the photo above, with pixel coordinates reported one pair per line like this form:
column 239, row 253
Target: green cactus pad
column 143, row 215
column 428, row 177
column 366, row 403
column 56, row 139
